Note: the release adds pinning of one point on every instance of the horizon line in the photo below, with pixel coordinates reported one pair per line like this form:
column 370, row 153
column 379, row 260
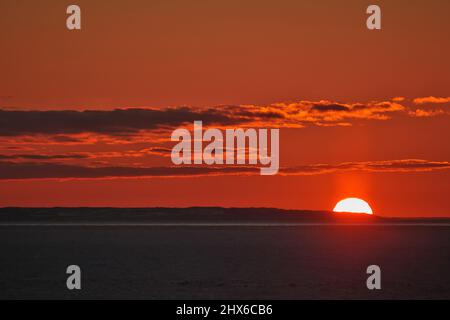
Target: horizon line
column 228, row 208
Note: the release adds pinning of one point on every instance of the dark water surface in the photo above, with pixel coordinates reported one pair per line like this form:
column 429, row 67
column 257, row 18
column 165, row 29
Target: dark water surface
column 301, row 262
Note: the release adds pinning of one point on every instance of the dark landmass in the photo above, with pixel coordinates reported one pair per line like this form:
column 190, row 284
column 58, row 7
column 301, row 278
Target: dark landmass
column 192, row 215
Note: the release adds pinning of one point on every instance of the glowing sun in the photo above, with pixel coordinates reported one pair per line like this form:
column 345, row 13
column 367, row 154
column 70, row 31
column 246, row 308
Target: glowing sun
column 353, row 205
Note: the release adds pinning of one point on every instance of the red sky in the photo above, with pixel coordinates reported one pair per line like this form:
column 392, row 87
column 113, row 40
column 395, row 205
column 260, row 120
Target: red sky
column 353, row 106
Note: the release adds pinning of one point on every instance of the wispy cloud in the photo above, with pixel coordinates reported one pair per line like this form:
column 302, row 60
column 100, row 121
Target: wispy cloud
column 431, row 99
column 20, row 171
column 404, row 165
column 421, row 113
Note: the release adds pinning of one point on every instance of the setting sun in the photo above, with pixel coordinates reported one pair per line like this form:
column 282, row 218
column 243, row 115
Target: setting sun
column 353, row 205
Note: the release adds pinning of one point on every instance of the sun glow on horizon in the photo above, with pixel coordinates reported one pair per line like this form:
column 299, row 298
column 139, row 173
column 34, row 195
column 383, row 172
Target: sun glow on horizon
column 353, row 205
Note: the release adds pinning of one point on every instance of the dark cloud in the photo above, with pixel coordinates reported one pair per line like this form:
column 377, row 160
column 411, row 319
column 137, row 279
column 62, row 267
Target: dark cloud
column 112, row 122
column 329, row 107
column 11, row 170
column 63, row 126
column 42, row 156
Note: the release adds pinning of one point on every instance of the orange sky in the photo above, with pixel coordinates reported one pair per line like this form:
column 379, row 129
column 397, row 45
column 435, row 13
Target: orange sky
column 331, row 83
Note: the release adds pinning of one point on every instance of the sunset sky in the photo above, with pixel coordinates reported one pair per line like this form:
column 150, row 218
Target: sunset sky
column 86, row 116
